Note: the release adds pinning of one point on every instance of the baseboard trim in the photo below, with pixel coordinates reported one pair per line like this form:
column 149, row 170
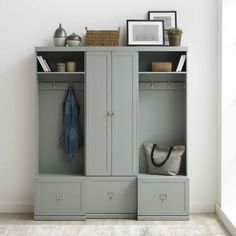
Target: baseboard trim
column 16, row 208
column 28, row 208
column 111, row 216
column 202, row 208
column 39, row 217
column 225, row 220
column 162, row 218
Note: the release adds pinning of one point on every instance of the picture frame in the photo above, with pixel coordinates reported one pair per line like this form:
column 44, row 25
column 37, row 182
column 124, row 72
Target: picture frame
column 169, row 18
column 145, row 33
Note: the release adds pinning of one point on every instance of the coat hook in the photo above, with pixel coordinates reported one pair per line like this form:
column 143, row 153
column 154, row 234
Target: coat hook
column 53, row 84
column 152, row 84
column 169, row 84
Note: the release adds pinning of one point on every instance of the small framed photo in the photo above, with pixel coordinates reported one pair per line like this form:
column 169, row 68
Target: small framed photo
column 145, row 33
column 169, row 18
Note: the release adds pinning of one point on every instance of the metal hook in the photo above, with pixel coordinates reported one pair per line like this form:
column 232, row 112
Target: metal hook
column 169, row 84
column 152, row 84
column 53, row 84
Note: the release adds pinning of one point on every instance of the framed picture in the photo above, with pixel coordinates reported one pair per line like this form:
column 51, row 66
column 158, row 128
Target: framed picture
column 169, row 18
column 145, row 33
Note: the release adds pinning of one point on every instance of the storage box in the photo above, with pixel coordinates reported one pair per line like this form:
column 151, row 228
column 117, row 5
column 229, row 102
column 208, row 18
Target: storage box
column 161, row 66
column 102, row 37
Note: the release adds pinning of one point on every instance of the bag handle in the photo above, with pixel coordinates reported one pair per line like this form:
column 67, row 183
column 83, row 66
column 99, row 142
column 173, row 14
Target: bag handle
column 162, row 163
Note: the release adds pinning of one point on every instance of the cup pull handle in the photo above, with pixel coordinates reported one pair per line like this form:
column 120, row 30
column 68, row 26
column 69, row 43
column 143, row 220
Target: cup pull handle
column 110, row 195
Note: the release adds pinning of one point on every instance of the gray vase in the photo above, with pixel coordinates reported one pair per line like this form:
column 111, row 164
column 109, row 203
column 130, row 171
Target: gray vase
column 60, row 37
column 73, row 40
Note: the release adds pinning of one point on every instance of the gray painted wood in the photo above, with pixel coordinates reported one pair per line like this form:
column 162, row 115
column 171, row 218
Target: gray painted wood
column 124, row 108
column 163, row 218
column 121, row 48
column 98, row 105
column 105, row 78
column 111, row 195
column 163, row 196
column 111, row 216
column 61, row 217
column 60, row 196
column 51, row 153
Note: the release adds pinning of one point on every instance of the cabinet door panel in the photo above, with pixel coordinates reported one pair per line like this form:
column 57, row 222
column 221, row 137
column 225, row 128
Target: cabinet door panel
column 98, row 104
column 124, row 107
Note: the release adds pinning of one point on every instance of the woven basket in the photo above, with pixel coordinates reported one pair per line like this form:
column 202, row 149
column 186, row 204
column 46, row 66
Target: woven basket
column 102, row 37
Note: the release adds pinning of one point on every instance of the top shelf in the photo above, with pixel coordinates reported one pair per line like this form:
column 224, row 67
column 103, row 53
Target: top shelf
column 110, row 48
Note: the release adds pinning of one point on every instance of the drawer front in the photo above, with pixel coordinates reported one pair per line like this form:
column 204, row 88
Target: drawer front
column 59, row 198
column 163, row 198
column 111, row 195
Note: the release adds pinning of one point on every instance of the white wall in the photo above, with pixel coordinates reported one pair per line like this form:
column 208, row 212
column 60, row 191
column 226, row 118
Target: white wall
column 26, row 23
column 228, row 110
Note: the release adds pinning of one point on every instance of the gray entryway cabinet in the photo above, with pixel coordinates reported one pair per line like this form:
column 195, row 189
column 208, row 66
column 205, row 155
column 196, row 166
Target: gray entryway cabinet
column 123, row 104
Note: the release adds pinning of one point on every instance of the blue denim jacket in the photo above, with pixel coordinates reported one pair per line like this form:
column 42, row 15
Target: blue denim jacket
column 71, row 124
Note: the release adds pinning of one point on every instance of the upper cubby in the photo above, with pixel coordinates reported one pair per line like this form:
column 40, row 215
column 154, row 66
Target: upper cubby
column 53, row 58
column 147, row 57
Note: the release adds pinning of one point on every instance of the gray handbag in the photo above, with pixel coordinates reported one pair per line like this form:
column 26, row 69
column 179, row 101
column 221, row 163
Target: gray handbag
column 163, row 160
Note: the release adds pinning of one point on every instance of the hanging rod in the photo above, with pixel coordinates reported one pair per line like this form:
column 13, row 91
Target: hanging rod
column 61, row 81
column 161, row 82
column 60, row 85
column 163, row 85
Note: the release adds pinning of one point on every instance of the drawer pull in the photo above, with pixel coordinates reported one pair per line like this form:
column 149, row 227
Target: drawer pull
column 163, row 197
column 110, row 195
column 60, row 197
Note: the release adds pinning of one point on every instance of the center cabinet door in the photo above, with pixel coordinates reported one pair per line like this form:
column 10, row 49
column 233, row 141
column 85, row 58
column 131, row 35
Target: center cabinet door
column 98, row 118
column 125, row 113
column 111, row 135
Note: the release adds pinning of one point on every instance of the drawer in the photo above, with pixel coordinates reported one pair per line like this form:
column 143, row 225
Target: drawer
column 163, row 196
column 111, row 195
column 62, row 197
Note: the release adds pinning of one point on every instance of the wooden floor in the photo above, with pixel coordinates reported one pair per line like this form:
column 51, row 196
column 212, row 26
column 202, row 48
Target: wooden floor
column 199, row 224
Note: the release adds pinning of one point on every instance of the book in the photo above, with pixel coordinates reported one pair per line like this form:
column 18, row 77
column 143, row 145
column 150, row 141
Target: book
column 181, row 58
column 45, row 62
column 181, row 63
column 40, row 59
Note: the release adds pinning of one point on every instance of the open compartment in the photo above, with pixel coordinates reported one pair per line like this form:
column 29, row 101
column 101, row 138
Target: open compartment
column 146, row 59
column 162, row 107
column 51, row 96
column 52, row 58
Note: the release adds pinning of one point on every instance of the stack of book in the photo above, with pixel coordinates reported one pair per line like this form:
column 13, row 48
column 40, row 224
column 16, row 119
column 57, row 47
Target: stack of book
column 43, row 64
column 181, row 63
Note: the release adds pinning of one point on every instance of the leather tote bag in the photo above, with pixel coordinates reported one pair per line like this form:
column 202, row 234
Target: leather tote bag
column 163, row 160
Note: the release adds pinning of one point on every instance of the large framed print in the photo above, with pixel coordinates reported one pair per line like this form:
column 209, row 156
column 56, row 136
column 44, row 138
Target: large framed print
column 169, row 18
column 145, row 32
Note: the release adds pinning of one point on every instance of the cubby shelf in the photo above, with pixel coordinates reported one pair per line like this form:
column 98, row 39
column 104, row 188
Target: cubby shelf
column 61, row 73
column 57, row 175
column 161, row 73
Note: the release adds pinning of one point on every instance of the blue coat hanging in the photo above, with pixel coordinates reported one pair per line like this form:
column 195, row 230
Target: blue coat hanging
column 71, row 132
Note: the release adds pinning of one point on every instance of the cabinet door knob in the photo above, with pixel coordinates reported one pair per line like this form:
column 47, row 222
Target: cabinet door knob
column 112, row 113
column 110, row 195
column 163, row 197
column 59, row 197
column 109, row 113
